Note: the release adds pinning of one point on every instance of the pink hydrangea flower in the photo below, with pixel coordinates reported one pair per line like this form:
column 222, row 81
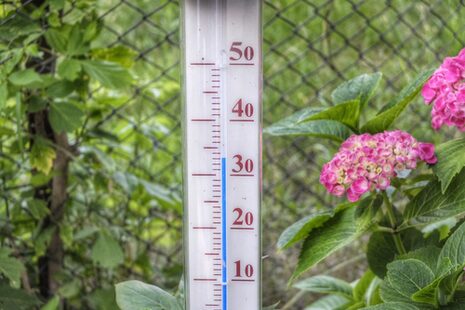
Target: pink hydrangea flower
column 446, row 91
column 367, row 162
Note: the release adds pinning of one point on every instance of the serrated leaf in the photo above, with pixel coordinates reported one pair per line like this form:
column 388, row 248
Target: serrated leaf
column 381, row 248
column 361, row 87
column 106, row 251
column 136, row 295
column 450, row 161
column 389, row 113
column 336, row 233
column 331, row 130
column 11, row 267
column 347, row 113
column 428, row 255
column 404, row 278
column 431, row 205
column 301, row 228
column 65, row 116
column 76, row 44
column 25, row 77
column 325, row 285
column 454, row 248
column 294, row 125
column 42, row 155
column 69, row 69
column 109, row 74
column 56, row 39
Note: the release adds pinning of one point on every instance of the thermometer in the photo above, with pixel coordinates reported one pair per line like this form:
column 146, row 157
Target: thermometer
column 222, row 153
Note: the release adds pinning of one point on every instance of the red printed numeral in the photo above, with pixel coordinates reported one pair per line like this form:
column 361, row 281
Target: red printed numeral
column 246, row 165
column 247, row 271
column 240, row 108
column 238, row 52
column 242, row 218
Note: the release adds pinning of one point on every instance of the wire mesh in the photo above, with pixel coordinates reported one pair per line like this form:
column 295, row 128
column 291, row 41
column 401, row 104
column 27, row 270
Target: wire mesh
column 309, row 47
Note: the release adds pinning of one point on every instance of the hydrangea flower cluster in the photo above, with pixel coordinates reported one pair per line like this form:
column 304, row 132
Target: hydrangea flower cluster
column 446, row 90
column 369, row 162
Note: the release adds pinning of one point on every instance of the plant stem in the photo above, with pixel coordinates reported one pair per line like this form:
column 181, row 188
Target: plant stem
column 392, row 219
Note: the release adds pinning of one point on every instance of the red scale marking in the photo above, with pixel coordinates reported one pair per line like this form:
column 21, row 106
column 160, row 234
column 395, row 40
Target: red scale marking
column 242, row 120
column 241, row 175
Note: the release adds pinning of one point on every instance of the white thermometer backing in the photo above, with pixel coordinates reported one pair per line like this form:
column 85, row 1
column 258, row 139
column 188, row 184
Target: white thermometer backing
column 222, row 153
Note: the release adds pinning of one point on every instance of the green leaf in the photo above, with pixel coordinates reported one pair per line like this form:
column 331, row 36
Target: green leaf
column 454, row 248
column 368, row 212
column 300, row 229
column 103, row 299
column 347, row 113
column 65, row 116
column 25, row 77
column 11, row 298
column 331, row 130
column 336, row 233
column 450, row 161
column 109, row 74
column 76, row 44
column 431, row 205
column 56, row 39
column 404, row 278
column 325, row 285
column 361, row 87
column 393, row 306
column 159, row 192
column 106, row 251
column 394, row 108
column 57, row 4
column 428, row 255
column 52, row 304
column 38, row 208
column 60, row 89
column 11, row 267
column 17, row 25
column 135, row 295
column 42, row 155
column 381, row 248
column 69, row 69
column 362, row 285
column 331, row 302
column 120, row 54
column 292, row 125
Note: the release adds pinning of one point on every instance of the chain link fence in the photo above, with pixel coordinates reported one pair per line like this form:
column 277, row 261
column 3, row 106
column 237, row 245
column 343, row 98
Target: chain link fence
column 309, row 47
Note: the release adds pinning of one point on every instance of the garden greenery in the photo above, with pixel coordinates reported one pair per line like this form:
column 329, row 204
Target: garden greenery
column 407, row 196
column 416, row 247
column 71, row 208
